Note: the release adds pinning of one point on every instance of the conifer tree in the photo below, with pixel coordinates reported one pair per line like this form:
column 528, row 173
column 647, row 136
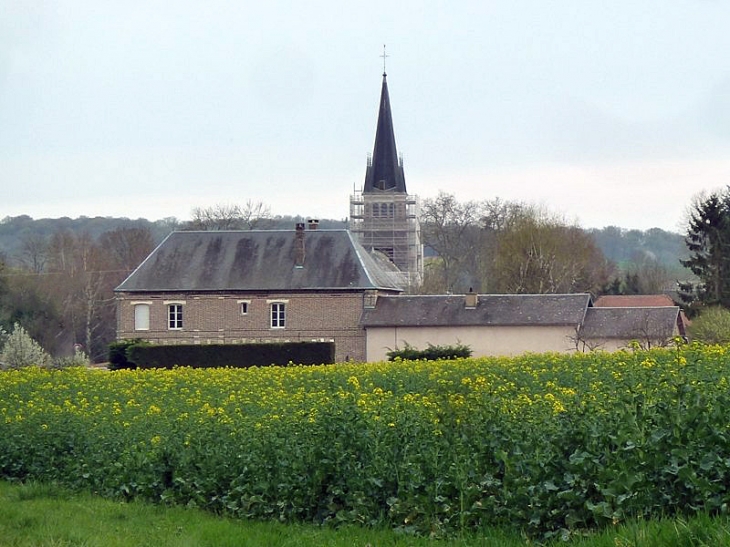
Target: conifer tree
column 708, row 242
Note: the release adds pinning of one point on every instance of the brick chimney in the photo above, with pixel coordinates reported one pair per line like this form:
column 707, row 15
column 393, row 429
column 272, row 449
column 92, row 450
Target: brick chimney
column 313, row 223
column 471, row 299
column 299, row 245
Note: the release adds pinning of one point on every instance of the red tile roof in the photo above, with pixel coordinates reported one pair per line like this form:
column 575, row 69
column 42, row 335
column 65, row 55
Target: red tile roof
column 633, row 301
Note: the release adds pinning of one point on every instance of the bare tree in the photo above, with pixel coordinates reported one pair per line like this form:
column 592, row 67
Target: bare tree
column 464, row 236
column 650, row 334
column 28, row 298
column 250, row 216
column 256, row 215
column 33, row 252
column 126, row 248
column 61, row 251
column 497, row 214
column 585, row 345
column 539, row 253
column 451, row 228
column 81, row 280
column 652, row 276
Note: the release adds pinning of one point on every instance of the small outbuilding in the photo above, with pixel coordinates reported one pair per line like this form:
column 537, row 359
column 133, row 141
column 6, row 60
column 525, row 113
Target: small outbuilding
column 511, row 324
column 490, row 324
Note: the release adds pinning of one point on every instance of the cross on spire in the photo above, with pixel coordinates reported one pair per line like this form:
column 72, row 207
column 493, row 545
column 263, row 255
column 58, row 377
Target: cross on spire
column 384, row 56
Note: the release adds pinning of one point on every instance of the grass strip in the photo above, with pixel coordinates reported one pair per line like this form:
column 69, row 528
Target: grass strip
column 47, row 515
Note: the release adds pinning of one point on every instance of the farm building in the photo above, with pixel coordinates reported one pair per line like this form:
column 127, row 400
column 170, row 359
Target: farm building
column 510, row 324
column 643, row 301
column 254, row 286
column 611, row 329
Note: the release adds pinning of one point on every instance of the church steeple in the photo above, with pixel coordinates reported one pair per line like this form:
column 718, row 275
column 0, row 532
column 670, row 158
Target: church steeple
column 383, row 217
column 384, row 171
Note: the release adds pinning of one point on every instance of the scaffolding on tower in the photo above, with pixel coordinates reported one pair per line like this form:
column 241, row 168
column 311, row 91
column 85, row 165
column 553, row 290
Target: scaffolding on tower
column 388, row 223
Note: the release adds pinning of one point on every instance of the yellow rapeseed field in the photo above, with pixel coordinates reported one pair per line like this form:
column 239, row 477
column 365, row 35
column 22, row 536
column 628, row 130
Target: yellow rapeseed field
column 550, row 443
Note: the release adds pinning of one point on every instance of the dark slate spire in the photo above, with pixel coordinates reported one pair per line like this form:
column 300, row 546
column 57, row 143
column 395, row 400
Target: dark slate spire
column 384, row 173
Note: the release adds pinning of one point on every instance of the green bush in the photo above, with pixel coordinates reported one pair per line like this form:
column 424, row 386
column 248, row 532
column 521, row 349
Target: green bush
column 118, row 354
column 78, row 359
column 20, row 350
column 712, row 326
column 431, row 353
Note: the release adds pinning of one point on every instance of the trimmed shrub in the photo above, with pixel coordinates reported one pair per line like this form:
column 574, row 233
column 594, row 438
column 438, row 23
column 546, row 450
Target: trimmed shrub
column 118, row 355
column 231, row 355
column 431, row 353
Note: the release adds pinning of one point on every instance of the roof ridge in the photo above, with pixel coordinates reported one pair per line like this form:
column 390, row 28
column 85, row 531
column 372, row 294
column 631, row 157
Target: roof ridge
column 257, row 231
column 634, row 307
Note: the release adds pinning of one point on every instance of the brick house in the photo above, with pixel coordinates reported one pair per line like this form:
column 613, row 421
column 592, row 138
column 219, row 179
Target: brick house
column 254, row 286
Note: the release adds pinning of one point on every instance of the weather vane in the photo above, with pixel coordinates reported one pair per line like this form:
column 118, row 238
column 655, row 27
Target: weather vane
column 384, row 56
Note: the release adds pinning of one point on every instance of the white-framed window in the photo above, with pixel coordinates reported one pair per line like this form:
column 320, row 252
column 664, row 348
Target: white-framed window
column 370, row 299
column 278, row 315
column 141, row 315
column 243, row 306
column 175, row 316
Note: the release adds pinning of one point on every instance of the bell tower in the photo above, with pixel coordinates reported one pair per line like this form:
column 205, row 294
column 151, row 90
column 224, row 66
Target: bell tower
column 383, row 216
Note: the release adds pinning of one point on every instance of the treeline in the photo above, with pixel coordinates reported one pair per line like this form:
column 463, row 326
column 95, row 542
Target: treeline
column 508, row 247
column 628, row 247
column 60, row 287
column 624, row 247
column 21, row 236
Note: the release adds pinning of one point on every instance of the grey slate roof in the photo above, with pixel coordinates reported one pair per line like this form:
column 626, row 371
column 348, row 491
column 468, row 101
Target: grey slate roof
column 491, row 310
column 630, row 323
column 258, row 260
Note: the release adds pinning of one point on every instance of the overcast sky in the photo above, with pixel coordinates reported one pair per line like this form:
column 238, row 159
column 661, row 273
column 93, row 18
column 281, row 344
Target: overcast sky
column 608, row 113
